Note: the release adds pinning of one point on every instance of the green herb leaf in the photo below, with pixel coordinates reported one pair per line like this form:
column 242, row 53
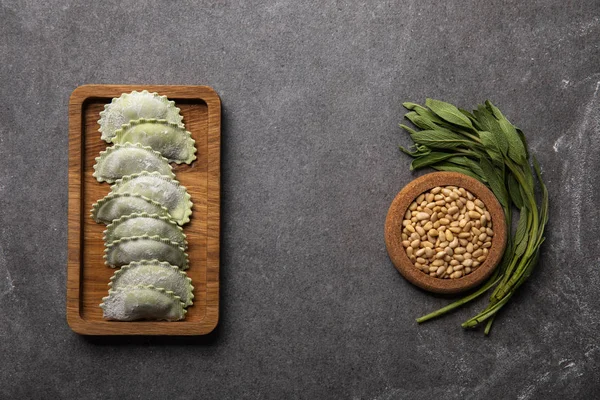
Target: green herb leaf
column 440, row 139
column 494, row 182
column 516, row 150
column 471, row 118
column 429, row 159
column 515, row 191
column 521, row 233
column 408, row 129
column 443, row 166
column 449, row 113
column 422, row 122
column 471, row 164
column 522, row 136
column 492, row 147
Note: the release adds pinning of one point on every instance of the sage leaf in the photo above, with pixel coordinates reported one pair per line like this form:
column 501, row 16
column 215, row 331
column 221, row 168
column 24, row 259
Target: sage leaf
column 469, row 163
column 521, row 233
column 449, row 113
column 438, row 139
column 514, row 191
column 516, row 150
column 494, row 182
column 429, row 159
column 443, row 166
column 421, row 122
column 491, row 145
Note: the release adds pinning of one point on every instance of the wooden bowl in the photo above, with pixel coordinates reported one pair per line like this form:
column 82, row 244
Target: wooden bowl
column 393, row 232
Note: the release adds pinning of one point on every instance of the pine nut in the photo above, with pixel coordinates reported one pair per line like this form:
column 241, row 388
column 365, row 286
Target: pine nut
column 472, row 214
column 442, row 236
column 452, row 210
column 422, row 216
column 456, row 275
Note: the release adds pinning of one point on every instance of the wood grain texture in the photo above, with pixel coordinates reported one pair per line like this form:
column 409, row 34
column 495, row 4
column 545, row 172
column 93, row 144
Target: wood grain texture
column 87, row 275
column 393, row 232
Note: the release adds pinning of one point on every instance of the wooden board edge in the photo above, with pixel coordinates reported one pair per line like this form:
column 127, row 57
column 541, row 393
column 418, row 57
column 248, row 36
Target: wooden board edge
column 76, row 101
column 213, row 210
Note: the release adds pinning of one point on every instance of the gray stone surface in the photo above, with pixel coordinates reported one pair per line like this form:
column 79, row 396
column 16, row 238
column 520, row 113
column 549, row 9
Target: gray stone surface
column 312, row 91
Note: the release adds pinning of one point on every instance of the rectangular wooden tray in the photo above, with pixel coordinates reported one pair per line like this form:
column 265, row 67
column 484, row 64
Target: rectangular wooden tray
column 87, row 275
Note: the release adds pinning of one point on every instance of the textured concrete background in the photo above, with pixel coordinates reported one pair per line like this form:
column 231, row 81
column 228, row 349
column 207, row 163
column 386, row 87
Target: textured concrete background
column 312, row 92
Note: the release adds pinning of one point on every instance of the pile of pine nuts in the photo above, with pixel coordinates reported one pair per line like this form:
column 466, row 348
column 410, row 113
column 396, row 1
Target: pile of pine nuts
column 447, row 232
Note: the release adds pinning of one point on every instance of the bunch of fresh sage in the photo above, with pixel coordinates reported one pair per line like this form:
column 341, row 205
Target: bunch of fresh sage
column 486, row 146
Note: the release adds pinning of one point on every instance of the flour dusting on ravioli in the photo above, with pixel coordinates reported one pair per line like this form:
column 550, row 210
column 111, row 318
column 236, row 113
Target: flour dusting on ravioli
column 128, row 159
column 169, row 139
column 133, row 106
column 162, row 189
column 132, row 303
column 127, row 250
column 116, row 205
column 155, row 273
column 140, row 224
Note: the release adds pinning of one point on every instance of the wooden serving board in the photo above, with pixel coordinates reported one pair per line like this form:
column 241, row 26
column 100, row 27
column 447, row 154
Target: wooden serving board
column 87, row 275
